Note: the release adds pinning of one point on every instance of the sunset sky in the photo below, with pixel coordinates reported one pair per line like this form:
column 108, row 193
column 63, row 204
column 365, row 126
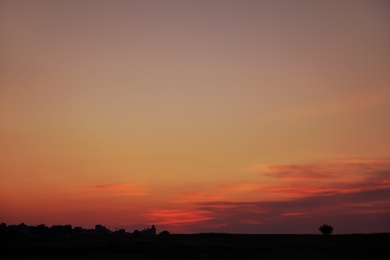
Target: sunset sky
column 196, row 116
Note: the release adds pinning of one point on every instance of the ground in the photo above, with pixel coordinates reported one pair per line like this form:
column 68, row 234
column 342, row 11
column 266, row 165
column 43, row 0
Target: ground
column 199, row 246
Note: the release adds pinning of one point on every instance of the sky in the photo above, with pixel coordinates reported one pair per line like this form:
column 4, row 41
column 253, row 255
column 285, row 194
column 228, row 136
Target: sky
column 196, row 116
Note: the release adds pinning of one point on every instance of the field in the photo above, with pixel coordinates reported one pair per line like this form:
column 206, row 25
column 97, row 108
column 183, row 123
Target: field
column 199, row 246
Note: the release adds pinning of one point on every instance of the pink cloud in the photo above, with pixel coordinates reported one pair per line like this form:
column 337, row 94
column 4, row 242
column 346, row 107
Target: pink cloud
column 279, row 182
column 333, row 173
column 287, row 214
column 120, row 186
column 298, row 198
column 197, row 197
column 175, row 216
column 307, row 190
column 343, row 105
column 346, row 211
column 347, row 193
column 120, row 189
column 242, row 186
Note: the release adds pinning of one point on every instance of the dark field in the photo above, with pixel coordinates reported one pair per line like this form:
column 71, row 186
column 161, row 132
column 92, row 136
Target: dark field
column 200, row 246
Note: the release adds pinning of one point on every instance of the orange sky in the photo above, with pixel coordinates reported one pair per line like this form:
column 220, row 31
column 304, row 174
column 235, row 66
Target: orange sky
column 196, row 116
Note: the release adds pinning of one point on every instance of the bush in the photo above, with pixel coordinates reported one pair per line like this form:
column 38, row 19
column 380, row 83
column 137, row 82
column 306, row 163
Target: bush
column 165, row 233
column 326, row 229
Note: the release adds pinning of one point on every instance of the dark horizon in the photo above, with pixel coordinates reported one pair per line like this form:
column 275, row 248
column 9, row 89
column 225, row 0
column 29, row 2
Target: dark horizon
column 197, row 246
column 23, row 229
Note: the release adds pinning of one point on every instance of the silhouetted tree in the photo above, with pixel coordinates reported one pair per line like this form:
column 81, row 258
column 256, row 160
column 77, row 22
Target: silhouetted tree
column 149, row 231
column 59, row 230
column 326, row 229
column 120, row 232
column 3, row 229
column 165, row 233
column 40, row 230
column 137, row 232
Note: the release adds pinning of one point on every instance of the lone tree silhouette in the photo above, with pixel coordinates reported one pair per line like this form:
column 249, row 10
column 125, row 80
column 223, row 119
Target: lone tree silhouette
column 165, row 233
column 326, row 229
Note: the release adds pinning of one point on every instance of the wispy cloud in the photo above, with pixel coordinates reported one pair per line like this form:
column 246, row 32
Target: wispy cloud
column 177, row 217
column 119, row 189
column 342, row 105
column 242, row 186
column 304, row 214
column 120, row 186
column 197, row 197
column 355, row 202
column 347, row 193
column 350, row 172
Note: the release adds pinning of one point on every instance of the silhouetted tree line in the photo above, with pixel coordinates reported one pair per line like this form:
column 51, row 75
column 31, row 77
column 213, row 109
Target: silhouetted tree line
column 23, row 230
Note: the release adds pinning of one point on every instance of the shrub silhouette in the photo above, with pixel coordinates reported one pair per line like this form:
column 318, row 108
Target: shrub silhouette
column 165, row 233
column 326, row 229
